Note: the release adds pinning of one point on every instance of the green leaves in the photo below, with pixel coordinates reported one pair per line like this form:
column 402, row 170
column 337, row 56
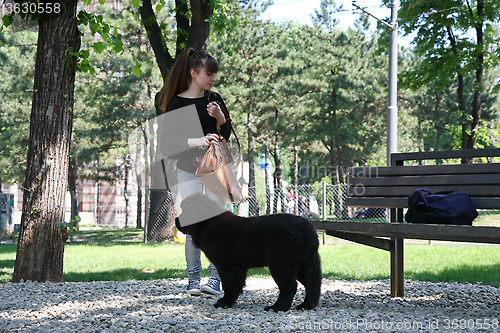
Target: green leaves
column 88, row 2
column 136, row 70
column 101, row 31
column 159, row 6
column 118, row 46
column 95, row 22
column 7, row 21
column 138, row 4
column 98, row 47
column 224, row 19
column 67, row 227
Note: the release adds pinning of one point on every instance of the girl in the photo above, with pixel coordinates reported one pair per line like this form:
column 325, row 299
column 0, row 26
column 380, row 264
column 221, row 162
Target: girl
column 189, row 83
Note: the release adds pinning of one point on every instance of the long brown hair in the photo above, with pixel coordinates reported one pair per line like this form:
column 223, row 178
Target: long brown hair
column 179, row 78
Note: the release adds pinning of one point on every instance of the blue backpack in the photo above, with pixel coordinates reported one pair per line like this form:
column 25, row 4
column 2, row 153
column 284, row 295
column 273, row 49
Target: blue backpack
column 454, row 207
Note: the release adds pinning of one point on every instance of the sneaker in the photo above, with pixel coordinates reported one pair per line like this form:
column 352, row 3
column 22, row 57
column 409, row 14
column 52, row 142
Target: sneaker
column 193, row 288
column 212, row 287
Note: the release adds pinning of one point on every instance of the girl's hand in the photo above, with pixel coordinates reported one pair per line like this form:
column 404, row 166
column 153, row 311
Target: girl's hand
column 203, row 141
column 214, row 111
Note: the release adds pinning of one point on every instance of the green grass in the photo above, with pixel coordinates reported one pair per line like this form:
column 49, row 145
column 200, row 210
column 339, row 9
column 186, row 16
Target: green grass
column 119, row 235
column 433, row 263
column 121, row 261
column 488, row 218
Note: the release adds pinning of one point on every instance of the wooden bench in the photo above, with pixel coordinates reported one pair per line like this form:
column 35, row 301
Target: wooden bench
column 389, row 187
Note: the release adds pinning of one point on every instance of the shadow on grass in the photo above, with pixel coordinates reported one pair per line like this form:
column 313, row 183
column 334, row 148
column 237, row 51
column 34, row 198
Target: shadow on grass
column 350, row 277
column 8, row 252
column 6, row 269
column 124, row 275
column 129, row 235
column 135, row 274
column 8, row 263
column 8, row 249
column 487, row 274
column 118, row 242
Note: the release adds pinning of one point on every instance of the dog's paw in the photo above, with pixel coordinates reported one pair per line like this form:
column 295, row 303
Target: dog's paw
column 224, row 303
column 304, row 307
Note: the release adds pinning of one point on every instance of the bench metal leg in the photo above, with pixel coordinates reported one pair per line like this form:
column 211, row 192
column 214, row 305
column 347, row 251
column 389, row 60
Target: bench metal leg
column 397, row 269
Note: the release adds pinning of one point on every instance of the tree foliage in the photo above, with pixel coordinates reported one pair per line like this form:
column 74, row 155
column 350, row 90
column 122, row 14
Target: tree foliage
column 17, row 53
column 457, row 40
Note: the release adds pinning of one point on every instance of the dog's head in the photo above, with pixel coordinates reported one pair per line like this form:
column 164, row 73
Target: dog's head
column 195, row 209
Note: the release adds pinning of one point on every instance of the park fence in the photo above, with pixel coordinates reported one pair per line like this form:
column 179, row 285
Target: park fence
column 321, row 201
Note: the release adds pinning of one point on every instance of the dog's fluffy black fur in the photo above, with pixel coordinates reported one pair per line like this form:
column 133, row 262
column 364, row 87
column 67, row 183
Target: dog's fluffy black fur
column 287, row 244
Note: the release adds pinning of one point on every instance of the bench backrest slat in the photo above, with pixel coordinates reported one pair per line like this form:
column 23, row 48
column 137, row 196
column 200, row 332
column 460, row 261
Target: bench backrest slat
column 402, row 202
column 389, row 187
column 431, row 180
column 436, row 155
column 493, row 168
column 404, row 191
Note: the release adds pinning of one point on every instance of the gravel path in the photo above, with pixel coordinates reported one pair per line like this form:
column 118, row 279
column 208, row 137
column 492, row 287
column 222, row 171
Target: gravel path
column 161, row 306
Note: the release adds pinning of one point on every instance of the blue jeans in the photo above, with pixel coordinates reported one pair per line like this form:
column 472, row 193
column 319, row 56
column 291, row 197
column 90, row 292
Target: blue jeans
column 190, row 184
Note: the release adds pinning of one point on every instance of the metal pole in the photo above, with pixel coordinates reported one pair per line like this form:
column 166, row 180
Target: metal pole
column 392, row 110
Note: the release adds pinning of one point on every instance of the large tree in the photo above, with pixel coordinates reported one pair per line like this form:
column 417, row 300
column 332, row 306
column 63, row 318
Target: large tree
column 40, row 248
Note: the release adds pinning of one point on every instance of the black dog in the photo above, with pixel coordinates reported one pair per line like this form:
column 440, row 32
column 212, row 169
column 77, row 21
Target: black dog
column 287, row 244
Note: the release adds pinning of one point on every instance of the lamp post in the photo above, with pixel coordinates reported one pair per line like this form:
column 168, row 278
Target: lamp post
column 392, row 109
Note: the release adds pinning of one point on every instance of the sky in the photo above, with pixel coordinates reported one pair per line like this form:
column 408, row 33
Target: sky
column 301, row 10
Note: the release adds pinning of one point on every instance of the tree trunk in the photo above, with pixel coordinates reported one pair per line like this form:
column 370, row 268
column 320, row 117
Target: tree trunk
column 253, row 207
column 142, row 142
column 125, row 189
column 200, row 27
column 72, row 179
column 183, row 26
column 164, row 60
column 338, row 165
column 193, row 30
column 463, row 112
column 296, row 179
column 460, row 95
column 40, row 249
column 266, row 176
column 437, row 126
column 478, row 90
column 139, row 203
column 278, row 172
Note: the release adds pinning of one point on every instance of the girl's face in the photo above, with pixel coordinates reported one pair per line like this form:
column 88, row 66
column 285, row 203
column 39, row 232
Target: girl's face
column 203, row 78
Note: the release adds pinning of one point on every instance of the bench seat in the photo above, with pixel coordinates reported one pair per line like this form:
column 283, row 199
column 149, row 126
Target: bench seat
column 441, row 232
